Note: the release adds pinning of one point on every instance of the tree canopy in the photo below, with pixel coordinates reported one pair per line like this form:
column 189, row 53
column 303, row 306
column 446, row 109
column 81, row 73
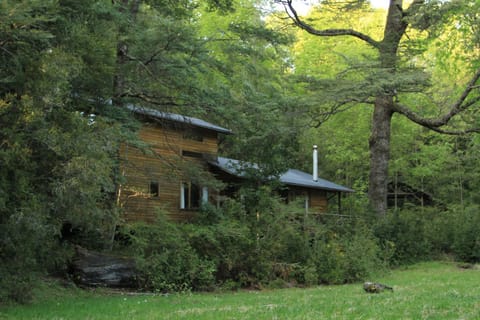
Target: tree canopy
column 395, row 73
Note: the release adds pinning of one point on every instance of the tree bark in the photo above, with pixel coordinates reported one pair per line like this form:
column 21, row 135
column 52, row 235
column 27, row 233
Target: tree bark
column 379, row 154
column 384, row 109
column 130, row 9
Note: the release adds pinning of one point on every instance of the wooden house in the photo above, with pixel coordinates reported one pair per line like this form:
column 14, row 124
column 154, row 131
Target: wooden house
column 177, row 168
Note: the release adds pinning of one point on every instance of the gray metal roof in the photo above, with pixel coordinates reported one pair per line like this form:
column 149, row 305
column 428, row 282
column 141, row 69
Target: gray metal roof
column 292, row 177
column 177, row 118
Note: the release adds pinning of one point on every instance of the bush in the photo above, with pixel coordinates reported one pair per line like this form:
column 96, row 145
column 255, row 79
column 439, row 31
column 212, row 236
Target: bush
column 25, row 240
column 343, row 253
column 405, row 232
column 265, row 243
column 166, row 260
column 228, row 244
column 410, row 235
column 466, row 234
column 362, row 255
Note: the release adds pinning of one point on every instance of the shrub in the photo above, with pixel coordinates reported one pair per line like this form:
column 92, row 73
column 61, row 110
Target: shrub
column 344, row 253
column 466, row 234
column 265, row 243
column 166, row 260
column 25, row 240
column 362, row 254
column 405, row 231
column 228, row 244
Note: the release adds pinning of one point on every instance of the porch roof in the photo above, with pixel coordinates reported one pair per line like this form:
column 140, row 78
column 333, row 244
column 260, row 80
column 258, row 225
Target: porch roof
column 291, row 177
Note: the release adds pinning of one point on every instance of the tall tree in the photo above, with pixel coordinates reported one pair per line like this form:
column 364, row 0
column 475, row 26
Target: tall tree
column 56, row 162
column 242, row 84
column 388, row 80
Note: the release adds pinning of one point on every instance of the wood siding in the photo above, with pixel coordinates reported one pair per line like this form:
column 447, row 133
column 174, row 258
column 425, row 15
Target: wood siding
column 161, row 161
column 172, row 154
column 317, row 199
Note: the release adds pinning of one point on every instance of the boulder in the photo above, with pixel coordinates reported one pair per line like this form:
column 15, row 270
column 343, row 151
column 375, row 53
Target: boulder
column 95, row 269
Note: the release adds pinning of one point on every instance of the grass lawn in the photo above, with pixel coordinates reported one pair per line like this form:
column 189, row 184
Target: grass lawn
column 424, row 291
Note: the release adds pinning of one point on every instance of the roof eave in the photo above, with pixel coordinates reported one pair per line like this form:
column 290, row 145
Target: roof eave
column 172, row 117
column 346, row 190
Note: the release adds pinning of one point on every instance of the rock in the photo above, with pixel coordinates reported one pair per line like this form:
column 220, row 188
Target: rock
column 372, row 287
column 96, row 269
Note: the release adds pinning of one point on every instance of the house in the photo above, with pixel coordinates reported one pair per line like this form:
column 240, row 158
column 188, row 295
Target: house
column 178, row 168
column 401, row 194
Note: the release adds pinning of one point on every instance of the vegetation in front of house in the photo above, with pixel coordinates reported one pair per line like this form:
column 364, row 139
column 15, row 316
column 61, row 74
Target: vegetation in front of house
column 274, row 245
column 268, row 244
column 421, row 291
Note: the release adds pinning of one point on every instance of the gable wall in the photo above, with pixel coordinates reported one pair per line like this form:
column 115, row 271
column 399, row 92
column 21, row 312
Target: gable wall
column 318, row 201
column 163, row 165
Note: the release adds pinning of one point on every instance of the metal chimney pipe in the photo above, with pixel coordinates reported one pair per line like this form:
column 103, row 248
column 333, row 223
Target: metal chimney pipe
column 315, row 163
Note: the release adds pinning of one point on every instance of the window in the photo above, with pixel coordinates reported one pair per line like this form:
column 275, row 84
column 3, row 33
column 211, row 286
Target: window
column 193, row 135
column 153, row 189
column 191, row 195
column 192, row 154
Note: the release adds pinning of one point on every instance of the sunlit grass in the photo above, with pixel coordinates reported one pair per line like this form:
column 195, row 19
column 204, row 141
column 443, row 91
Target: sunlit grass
column 423, row 291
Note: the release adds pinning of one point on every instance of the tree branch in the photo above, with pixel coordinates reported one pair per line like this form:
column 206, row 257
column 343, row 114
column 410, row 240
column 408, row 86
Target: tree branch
column 413, row 7
column 456, row 132
column 459, row 106
column 167, row 101
column 322, row 116
column 293, row 15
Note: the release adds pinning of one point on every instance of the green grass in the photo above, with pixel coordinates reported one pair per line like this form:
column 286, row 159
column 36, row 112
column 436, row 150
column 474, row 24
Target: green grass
column 425, row 291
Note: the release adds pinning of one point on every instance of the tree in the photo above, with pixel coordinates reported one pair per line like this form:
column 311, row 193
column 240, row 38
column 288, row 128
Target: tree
column 390, row 79
column 57, row 161
column 243, row 85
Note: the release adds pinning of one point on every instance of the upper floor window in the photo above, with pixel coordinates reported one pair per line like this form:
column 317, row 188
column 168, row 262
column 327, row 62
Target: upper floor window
column 192, row 154
column 193, row 135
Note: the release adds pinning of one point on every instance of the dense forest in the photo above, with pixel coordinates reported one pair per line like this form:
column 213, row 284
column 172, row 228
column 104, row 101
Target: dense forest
column 390, row 97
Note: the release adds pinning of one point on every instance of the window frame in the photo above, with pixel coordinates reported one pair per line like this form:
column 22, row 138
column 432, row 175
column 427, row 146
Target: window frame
column 192, row 196
column 154, row 186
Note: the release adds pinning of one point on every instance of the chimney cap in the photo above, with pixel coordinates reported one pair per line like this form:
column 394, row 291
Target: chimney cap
column 315, row 146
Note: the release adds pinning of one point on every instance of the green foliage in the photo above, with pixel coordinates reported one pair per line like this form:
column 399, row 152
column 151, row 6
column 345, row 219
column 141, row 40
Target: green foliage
column 345, row 254
column 254, row 243
column 418, row 234
column 56, row 162
column 166, row 260
column 466, row 234
column 53, row 169
column 228, row 243
column 404, row 232
column 223, row 60
column 26, row 241
column 247, row 73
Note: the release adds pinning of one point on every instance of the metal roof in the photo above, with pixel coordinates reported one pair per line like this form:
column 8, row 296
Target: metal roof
column 177, row 118
column 292, row 177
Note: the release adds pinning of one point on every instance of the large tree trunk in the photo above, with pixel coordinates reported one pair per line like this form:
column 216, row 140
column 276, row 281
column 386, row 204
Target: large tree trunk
column 379, row 154
column 383, row 112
